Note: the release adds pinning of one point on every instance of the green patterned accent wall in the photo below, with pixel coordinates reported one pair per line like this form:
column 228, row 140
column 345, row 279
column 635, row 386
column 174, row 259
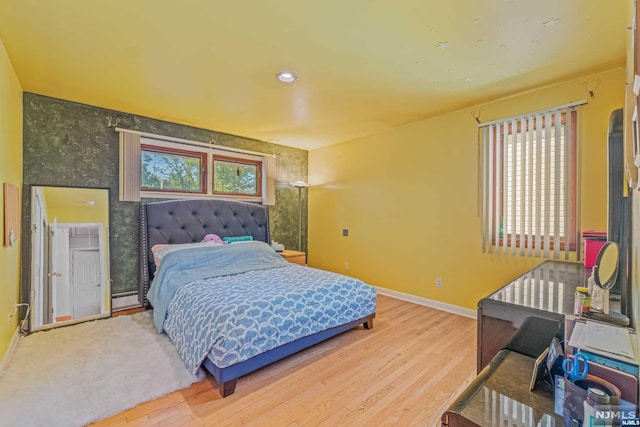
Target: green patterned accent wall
column 70, row 144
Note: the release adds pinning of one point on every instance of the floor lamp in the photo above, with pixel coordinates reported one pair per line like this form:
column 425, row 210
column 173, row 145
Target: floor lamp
column 300, row 185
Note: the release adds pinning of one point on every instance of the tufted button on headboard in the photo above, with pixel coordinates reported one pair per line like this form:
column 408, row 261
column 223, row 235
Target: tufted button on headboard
column 188, row 221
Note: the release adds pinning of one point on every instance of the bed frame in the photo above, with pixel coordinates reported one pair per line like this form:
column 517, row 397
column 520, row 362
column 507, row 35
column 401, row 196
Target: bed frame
column 188, row 221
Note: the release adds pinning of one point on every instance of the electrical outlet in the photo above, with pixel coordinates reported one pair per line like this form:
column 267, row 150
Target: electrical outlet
column 346, row 265
column 438, row 282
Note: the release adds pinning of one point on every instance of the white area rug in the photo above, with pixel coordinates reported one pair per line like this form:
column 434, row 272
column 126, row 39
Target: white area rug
column 78, row 374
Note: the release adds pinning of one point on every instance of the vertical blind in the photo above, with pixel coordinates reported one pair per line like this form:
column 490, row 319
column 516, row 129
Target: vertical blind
column 270, row 193
column 529, row 183
column 130, row 167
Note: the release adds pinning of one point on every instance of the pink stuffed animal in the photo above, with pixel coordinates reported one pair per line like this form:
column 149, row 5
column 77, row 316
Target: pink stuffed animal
column 213, row 238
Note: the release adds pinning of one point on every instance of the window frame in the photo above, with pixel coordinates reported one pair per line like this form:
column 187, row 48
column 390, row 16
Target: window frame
column 522, row 239
column 187, row 153
column 239, row 161
column 149, row 143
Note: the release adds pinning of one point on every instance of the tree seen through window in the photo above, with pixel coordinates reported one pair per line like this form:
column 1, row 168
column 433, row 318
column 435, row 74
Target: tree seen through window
column 167, row 171
column 231, row 176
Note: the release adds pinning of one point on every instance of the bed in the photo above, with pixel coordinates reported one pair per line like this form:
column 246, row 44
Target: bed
column 236, row 308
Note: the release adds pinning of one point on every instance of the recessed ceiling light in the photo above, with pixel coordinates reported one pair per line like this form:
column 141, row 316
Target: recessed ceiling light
column 468, row 79
column 442, row 45
column 91, row 202
column 286, row 77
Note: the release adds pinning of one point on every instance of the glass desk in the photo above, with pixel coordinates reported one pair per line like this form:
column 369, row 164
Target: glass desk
column 540, row 297
column 500, row 396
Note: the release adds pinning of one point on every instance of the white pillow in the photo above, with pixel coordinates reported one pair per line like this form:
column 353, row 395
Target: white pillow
column 161, row 250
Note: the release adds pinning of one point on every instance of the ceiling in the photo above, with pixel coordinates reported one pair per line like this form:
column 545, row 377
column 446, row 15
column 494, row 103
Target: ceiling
column 363, row 66
column 77, row 198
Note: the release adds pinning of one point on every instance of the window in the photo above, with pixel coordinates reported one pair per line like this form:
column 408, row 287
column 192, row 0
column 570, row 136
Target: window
column 529, row 184
column 162, row 167
column 172, row 170
column 233, row 176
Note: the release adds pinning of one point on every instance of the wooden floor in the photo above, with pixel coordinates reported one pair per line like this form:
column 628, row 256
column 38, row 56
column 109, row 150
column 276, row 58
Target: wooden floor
column 405, row 371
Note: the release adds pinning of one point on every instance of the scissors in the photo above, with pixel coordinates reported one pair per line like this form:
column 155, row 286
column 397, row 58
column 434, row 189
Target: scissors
column 576, row 368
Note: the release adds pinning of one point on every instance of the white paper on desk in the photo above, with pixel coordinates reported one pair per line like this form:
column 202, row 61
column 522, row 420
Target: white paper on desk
column 609, row 338
column 576, row 335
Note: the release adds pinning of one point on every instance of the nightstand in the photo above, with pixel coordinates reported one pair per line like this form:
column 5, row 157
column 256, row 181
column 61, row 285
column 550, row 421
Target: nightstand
column 295, row 257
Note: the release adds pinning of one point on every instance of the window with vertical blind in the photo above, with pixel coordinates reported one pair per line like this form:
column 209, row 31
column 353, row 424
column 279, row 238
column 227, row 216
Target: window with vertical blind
column 530, row 187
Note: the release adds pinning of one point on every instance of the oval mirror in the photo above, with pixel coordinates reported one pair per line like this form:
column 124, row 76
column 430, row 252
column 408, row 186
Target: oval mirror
column 605, row 269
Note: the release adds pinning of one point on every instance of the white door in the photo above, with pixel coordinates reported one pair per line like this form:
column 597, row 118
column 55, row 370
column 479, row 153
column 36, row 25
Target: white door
column 53, row 264
column 59, row 274
column 38, row 232
column 87, row 286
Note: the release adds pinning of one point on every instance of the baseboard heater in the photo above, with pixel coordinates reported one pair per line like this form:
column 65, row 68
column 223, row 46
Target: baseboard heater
column 125, row 301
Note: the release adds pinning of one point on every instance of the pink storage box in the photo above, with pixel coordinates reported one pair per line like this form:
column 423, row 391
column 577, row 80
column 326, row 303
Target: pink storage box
column 593, row 241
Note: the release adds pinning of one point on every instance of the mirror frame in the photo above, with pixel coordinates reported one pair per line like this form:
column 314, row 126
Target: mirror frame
column 596, row 267
column 107, row 302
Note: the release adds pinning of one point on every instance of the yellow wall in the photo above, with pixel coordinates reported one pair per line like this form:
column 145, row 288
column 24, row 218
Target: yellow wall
column 78, row 215
column 10, row 171
column 409, row 197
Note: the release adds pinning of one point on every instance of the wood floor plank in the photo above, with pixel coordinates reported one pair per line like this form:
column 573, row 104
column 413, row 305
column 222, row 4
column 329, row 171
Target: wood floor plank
column 404, row 371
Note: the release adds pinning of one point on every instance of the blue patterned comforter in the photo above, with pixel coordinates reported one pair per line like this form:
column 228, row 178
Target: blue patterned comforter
column 233, row 317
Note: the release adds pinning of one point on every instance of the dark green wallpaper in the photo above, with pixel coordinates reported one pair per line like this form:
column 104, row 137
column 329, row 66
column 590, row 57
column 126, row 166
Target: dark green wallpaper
column 69, row 144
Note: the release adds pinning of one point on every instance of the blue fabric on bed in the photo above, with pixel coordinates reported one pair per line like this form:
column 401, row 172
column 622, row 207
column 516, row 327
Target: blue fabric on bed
column 237, row 239
column 233, row 318
column 185, row 266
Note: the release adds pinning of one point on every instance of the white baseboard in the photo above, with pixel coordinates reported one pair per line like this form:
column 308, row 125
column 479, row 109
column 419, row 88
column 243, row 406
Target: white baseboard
column 443, row 306
column 125, row 302
column 12, row 346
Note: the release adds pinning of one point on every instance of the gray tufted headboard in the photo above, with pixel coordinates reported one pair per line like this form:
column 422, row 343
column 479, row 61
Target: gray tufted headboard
column 188, row 221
